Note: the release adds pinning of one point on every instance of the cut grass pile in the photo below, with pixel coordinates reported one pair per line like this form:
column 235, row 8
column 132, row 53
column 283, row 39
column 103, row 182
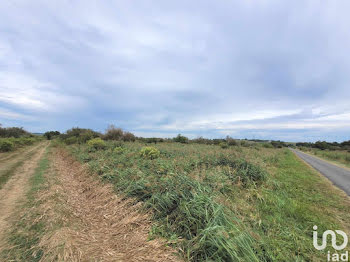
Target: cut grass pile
column 225, row 204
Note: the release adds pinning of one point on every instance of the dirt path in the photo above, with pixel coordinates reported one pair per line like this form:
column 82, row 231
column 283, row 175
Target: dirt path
column 96, row 224
column 4, row 157
column 16, row 186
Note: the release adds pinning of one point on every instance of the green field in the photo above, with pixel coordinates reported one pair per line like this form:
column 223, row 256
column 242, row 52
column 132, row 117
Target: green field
column 223, row 204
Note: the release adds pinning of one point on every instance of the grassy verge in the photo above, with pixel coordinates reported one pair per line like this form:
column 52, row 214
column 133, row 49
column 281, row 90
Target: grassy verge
column 236, row 204
column 27, row 229
column 293, row 200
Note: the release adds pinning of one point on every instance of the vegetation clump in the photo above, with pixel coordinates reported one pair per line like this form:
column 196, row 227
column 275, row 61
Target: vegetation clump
column 181, row 139
column 223, row 145
column 247, row 172
column 78, row 135
column 96, row 143
column 51, row 134
column 119, row 150
column 114, row 133
column 6, row 145
column 13, row 132
column 149, row 152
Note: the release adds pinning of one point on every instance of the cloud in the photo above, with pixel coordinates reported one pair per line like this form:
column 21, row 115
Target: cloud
column 28, row 93
column 271, row 69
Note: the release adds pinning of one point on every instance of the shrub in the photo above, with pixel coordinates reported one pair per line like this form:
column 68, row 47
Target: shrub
column 129, row 137
column 244, row 143
column 81, row 135
column 86, row 136
column 223, row 145
column 51, row 134
column 267, row 145
column 71, row 140
column 28, row 141
column 6, row 145
column 181, row 139
column 232, row 142
column 247, row 172
column 278, row 144
column 149, row 152
column 119, row 150
column 113, row 133
column 13, row 132
column 96, row 143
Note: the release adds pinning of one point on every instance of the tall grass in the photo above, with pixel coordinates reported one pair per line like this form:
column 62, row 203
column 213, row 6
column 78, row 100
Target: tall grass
column 224, row 204
column 183, row 206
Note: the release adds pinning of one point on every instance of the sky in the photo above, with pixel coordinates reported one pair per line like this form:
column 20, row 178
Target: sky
column 249, row 69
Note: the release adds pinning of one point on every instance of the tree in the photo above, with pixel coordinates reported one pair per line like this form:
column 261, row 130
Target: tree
column 181, row 139
column 113, row 133
column 51, row 134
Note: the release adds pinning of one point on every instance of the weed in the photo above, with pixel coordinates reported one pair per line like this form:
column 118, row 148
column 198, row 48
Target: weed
column 96, row 144
column 149, row 152
column 6, row 145
column 118, row 150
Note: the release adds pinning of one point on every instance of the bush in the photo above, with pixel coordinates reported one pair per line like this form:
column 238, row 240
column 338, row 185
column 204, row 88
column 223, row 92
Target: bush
column 86, row 136
column 223, row 145
column 267, row 145
column 247, row 172
column 244, row 143
column 232, row 142
column 149, row 152
column 71, row 140
column 51, row 134
column 278, row 144
column 6, row 145
column 79, row 135
column 127, row 136
column 28, row 141
column 113, row 133
column 13, row 132
column 181, row 139
column 96, row 143
column 119, row 150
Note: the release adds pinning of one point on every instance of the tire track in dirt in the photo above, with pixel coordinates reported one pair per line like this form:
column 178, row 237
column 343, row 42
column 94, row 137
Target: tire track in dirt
column 9, row 155
column 97, row 224
column 10, row 160
column 15, row 189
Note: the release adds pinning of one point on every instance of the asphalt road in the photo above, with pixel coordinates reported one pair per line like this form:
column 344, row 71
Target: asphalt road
column 339, row 176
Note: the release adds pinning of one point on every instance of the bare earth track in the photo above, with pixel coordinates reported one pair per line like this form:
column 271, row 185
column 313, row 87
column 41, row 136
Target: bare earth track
column 15, row 188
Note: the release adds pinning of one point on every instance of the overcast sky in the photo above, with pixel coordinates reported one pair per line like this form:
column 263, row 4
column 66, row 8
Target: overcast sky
column 249, row 69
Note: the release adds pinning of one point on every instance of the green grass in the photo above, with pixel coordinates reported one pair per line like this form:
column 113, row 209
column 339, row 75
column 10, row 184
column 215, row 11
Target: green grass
column 28, row 229
column 231, row 204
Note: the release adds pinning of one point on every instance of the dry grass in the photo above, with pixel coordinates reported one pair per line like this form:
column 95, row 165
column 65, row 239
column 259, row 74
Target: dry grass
column 95, row 224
